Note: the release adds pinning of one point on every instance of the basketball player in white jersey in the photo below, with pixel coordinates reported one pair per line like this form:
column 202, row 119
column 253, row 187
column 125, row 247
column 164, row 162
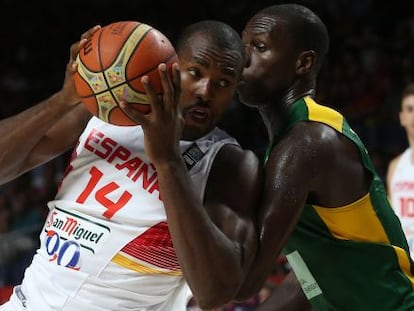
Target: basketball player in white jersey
column 106, row 243
column 400, row 175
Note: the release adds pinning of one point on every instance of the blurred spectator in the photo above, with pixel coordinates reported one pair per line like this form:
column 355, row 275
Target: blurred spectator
column 400, row 177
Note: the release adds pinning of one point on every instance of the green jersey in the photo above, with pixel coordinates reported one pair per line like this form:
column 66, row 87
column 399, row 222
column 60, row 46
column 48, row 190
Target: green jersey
column 353, row 257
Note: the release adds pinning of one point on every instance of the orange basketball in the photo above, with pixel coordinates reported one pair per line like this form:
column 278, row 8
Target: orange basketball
column 112, row 63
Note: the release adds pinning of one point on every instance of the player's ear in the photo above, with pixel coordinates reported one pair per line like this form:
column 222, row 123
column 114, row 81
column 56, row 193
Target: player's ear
column 305, row 62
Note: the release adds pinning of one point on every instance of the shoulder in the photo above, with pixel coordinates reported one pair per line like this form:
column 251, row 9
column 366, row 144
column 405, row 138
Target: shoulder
column 310, row 149
column 309, row 140
column 233, row 157
column 234, row 182
column 235, row 168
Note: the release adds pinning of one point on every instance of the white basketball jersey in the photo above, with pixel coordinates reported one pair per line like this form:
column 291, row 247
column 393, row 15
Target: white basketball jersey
column 402, row 195
column 105, row 244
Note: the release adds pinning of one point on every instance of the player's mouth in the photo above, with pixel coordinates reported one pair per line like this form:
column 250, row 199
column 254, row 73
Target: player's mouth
column 197, row 113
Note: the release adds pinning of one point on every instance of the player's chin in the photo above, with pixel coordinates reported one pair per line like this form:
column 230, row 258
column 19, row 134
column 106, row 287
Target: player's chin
column 245, row 97
column 195, row 128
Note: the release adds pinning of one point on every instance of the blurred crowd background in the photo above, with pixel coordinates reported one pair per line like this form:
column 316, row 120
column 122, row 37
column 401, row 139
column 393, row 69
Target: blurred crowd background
column 371, row 59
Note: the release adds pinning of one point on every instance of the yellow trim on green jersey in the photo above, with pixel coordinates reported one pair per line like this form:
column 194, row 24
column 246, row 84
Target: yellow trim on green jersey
column 324, row 114
column 350, row 222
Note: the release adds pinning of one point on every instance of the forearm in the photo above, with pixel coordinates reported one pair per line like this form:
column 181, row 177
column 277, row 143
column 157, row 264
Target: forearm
column 253, row 282
column 261, row 268
column 276, row 222
column 21, row 133
column 209, row 260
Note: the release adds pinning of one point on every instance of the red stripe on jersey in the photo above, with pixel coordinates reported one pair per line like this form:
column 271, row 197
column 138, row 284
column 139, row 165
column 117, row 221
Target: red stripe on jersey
column 155, row 247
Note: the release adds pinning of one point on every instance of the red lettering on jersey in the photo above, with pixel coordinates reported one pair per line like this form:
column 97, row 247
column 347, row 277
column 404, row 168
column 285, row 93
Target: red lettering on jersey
column 143, row 171
column 107, row 148
column 93, row 137
column 120, row 153
column 51, row 219
column 103, row 193
column 111, row 206
column 108, row 144
column 70, row 225
column 154, row 187
column 403, row 186
column 407, row 207
column 131, row 165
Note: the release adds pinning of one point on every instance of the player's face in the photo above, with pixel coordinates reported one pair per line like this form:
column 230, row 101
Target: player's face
column 407, row 114
column 209, row 78
column 270, row 66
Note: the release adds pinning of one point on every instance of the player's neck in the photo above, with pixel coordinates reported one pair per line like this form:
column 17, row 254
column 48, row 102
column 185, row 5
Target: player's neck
column 275, row 114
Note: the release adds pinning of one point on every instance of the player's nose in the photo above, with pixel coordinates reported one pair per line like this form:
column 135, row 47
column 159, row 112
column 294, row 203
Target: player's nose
column 204, row 89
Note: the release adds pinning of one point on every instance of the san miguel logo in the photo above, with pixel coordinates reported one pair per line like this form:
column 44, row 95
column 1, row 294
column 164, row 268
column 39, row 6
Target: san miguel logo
column 67, row 233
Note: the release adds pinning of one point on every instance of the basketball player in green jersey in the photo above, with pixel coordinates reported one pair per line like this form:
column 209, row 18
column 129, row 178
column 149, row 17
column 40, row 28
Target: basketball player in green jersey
column 323, row 203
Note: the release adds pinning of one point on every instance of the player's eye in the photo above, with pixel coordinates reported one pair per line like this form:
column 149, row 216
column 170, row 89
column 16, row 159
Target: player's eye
column 194, row 72
column 260, row 47
column 223, row 83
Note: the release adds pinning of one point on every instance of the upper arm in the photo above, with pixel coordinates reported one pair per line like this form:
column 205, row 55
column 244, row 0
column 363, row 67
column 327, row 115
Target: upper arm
column 232, row 196
column 59, row 138
column 290, row 175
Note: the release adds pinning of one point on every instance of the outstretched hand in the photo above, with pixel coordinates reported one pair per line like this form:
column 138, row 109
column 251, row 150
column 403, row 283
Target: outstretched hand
column 164, row 124
column 68, row 90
